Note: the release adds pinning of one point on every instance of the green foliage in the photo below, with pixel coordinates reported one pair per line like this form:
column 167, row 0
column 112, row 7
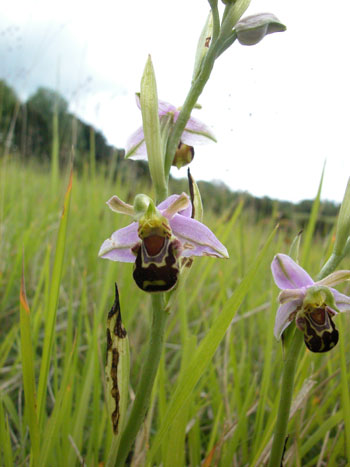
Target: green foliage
column 228, row 396
column 291, row 216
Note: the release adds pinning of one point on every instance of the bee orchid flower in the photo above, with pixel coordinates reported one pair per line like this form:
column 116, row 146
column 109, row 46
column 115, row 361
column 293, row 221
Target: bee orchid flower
column 195, row 132
column 158, row 238
column 311, row 304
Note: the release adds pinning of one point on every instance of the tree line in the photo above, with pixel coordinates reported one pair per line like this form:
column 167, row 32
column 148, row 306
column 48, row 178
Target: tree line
column 28, row 129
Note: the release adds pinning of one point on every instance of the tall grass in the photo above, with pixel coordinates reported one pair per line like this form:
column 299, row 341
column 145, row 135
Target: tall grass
column 217, row 391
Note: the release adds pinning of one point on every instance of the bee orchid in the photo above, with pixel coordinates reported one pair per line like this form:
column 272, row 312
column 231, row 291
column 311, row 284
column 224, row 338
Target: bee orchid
column 311, row 304
column 157, row 240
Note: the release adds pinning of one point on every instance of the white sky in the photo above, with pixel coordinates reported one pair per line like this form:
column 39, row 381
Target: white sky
column 279, row 109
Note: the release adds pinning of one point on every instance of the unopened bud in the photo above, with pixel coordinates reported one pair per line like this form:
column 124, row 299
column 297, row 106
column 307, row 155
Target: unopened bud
column 253, row 29
column 151, row 127
column 203, row 46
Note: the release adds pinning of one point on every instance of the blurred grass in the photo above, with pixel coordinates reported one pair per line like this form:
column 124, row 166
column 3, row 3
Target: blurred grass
column 227, row 411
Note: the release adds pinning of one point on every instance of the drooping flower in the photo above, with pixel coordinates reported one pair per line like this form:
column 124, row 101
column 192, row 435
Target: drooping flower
column 195, row 132
column 311, row 304
column 158, row 238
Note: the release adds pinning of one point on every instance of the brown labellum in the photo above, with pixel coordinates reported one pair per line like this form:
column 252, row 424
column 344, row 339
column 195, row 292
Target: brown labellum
column 320, row 333
column 158, row 272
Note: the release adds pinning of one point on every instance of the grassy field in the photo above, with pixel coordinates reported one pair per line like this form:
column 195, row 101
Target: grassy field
column 217, row 389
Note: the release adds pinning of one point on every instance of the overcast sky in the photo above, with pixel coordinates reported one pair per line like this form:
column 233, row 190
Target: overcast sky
column 279, row 109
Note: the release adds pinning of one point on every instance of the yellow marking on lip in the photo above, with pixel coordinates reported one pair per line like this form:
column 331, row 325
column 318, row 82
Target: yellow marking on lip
column 153, row 283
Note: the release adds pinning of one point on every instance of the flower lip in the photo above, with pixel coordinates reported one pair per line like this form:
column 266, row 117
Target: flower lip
column 154, row 244
column 157, row 273
column 318, row 315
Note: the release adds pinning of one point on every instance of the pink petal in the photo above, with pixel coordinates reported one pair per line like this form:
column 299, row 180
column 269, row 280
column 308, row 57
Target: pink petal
column 136, row 146
column 284, row 316
column 196, row 132
column 342, row 301
column 288, row 274
column 167, row 202
column 118, row 246
column 137, row 98
column 165, row 108
column 196, row 238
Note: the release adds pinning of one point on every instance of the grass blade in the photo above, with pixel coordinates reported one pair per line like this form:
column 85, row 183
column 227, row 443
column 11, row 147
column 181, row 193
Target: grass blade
column 5, row 440
column 311, row 224
column 53, row 301
column 28, row 373
column 344, row 386
column 55, row 153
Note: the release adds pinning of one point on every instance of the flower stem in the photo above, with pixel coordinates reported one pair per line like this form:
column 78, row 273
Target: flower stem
column 190, row 101
column 149, row 371
column 290, row 366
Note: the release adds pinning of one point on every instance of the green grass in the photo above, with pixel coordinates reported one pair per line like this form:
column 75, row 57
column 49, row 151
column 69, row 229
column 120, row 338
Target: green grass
column 217, row 390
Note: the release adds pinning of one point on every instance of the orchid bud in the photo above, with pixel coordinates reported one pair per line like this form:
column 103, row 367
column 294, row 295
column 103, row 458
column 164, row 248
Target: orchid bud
column 203, row 45
column 183, row 155
column 151, row 128
column 253, row 29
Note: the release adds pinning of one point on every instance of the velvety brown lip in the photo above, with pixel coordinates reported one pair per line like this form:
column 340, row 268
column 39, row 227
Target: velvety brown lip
column 154, row 244
column 318, row 315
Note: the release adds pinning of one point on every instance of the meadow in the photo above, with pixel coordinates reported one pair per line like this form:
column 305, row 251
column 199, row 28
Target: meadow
column 217, row 389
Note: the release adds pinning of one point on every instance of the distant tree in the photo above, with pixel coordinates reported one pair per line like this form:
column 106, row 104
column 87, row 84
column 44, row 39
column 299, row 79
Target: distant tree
column 41, row 107
column 9, row 106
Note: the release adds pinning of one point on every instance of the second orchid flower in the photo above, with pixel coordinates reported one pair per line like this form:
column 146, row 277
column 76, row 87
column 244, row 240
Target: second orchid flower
column 311, row 304
column 195, row 132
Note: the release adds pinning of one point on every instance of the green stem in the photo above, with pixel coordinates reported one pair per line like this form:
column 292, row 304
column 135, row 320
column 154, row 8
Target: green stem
column 149, row 371
column 290, row 365
column 231, row 15
column 333, row 262
column 216, row 19
column 161, row 194
column 190, row 102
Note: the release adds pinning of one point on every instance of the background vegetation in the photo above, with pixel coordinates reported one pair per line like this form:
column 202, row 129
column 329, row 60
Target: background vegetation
column 52, row 341
column 27, row 128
